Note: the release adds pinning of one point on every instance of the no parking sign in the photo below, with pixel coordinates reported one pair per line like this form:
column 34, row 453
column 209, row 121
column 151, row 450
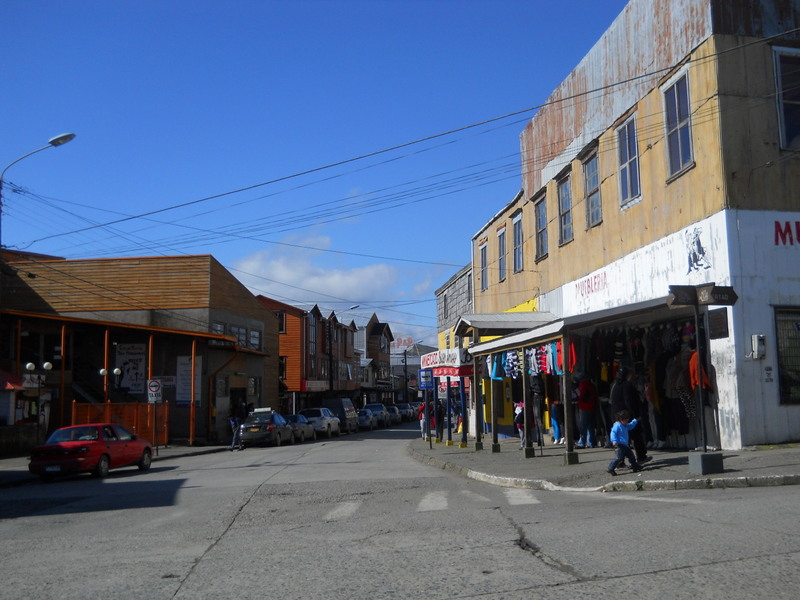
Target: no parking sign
column 154, row 391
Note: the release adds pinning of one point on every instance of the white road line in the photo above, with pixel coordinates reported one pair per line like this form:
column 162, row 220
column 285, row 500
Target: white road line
column 433, row 501
column 473, row 496
column 342, row 511
column 516, row 496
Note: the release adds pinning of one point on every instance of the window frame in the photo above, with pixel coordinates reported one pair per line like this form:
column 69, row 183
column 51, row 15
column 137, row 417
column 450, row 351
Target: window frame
column 501, row 254
column 518, row 242
column 780, row 97
column 483, row 253
column 566, row 232
column 787, row 348
column 678, row 134
column 628, row 164
column 540, row 214
column 592, row 197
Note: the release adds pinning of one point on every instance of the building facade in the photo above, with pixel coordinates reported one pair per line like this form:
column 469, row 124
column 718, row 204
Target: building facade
column 672, row 165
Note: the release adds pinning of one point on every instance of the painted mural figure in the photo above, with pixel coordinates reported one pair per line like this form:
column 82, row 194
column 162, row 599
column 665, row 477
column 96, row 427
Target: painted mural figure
column 696, row 254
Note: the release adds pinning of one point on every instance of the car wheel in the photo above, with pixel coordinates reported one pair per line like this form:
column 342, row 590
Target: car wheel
column 277, row 441
column 101, row 470
column 145, row 461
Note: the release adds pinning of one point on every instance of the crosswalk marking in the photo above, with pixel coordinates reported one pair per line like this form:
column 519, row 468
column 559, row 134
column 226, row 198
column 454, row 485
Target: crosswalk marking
column 474, row 496
column 342, row 511
column 517, row 496
column 433, row 501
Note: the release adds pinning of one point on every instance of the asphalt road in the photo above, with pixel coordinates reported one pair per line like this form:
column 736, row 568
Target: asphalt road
column 357, row 517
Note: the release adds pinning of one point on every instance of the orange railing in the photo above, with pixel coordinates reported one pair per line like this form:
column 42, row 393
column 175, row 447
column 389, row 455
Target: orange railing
column 143, row 419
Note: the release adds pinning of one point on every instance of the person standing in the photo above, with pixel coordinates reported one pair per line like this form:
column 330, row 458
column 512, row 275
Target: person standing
column 421, row 417
column 236, row 439
column 519, row 421
column 587, row 411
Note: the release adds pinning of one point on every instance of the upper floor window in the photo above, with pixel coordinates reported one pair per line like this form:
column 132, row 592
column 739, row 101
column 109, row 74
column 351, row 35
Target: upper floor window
column 240, row 333
column 564, row 211
column 628, row 152
column 217, row 327
column 517, row 233
column 501, row 254
column 281, row 314
column 255, row 339
column 484, row 267
column 787, row 75
column 540, row 209
column 444, row 306
column 591, row 179
column 679, row 125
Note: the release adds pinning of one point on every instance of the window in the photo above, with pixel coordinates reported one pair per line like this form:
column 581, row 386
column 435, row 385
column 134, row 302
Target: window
column 679, row 126
column 281, row 314
column 444, row 306
column 540, row 209
column 787, row 75
column 501, row 254
column 217, row 327
column 628, row 162
column 255, row 339
column 517, row 233
column 240, row 333
column 312, row 345
column 282, row 367
column 564, row 212
column 484, row 267
column 787, row 328
column 591, row 179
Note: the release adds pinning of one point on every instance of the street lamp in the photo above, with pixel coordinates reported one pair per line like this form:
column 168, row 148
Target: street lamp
column 30, row 367
column 54, row 142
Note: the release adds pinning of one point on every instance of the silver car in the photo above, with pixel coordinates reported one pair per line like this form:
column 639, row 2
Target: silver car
column 380, row 412
column 322, row 420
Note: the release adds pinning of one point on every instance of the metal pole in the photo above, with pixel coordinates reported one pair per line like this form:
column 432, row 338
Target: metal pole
column 447, row 407
column 463, row 412
column 427, row 418
column 701, row 362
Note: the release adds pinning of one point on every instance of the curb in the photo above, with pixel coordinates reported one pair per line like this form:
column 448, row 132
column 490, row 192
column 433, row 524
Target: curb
column 615, row 486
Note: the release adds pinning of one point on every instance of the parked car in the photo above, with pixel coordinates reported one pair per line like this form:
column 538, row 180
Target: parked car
column 303, row 430
column 95, row 448
column 379, row 410
column 406, row 411
column 323, row 421
column 344, row 409
column 366, row 419
column 265, row 426
column 395, row 418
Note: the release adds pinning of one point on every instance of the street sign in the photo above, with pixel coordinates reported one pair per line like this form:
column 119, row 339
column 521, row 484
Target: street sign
column 153, row 391
column 716, row 294
column 682, row 295
column 425, row 379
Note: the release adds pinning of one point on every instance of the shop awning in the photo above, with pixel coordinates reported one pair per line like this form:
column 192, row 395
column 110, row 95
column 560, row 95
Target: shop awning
column 501, row 323
column 557, row 327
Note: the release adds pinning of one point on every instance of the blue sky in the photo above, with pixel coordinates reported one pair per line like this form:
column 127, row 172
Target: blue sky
column 332, row 152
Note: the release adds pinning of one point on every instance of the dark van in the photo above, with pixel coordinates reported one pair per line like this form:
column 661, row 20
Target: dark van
column 347, row 413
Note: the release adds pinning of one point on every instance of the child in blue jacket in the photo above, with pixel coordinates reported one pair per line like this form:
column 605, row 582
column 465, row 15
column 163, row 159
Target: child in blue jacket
column 620, row 442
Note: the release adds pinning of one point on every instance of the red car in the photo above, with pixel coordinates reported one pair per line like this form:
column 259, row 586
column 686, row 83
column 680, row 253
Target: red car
column 96, row 448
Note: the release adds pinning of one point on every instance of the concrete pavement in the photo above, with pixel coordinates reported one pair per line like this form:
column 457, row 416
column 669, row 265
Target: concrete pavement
column 547, row 470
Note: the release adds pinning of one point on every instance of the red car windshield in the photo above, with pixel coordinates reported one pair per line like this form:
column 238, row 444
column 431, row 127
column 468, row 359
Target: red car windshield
column 73, row 434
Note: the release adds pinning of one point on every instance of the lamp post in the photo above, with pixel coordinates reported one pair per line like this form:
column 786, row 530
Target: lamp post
column 30, row 367
column 54, row 142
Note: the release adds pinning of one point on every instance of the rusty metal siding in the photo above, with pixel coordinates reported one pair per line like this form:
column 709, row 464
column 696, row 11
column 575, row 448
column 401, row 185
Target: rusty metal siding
column 648, row 37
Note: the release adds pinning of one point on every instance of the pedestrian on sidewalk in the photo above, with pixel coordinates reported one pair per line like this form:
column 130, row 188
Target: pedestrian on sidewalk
column 625, row 396
column 587, row 411
column 620, row 442
column 519, row 421
column 421, row 416
column 236, row 439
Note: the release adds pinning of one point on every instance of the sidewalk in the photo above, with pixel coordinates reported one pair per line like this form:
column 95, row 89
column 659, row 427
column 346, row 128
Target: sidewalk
column 669, row 469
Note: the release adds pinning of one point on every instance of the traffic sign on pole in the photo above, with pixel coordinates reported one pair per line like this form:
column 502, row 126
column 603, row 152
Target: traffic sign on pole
column 154, row 391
